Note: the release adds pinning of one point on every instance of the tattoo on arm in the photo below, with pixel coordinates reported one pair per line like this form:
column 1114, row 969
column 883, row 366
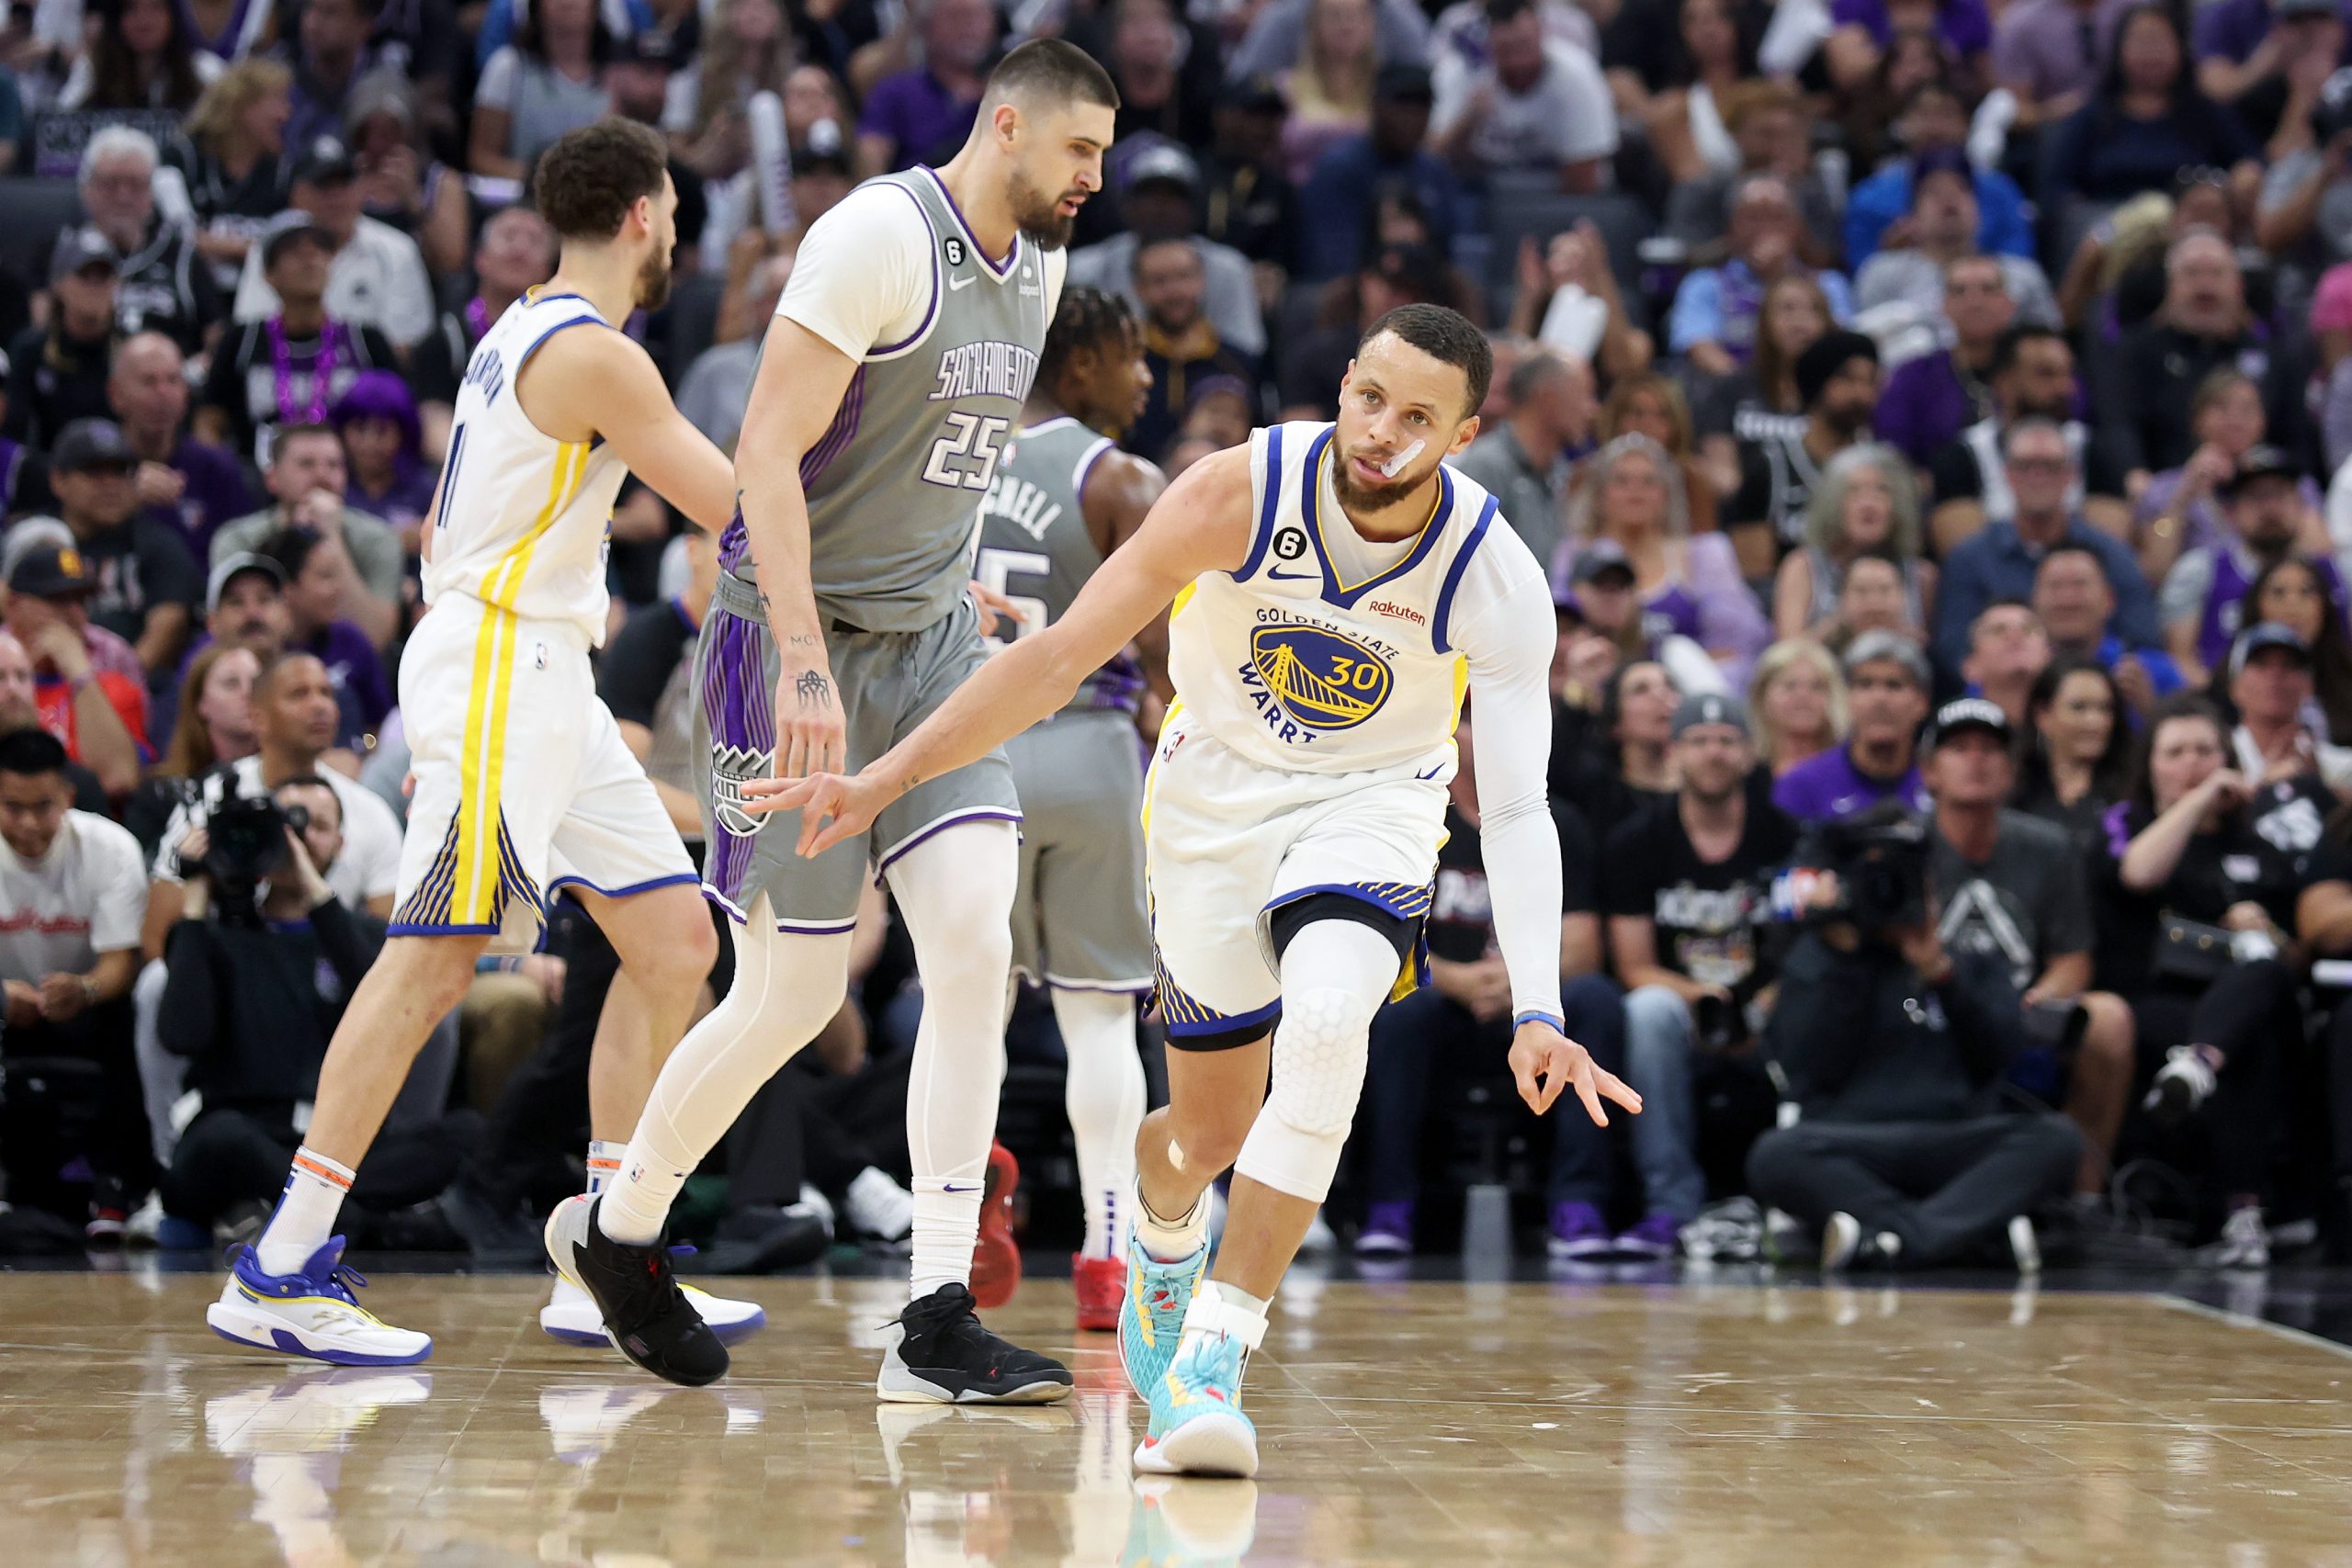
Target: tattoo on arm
column 813, row 689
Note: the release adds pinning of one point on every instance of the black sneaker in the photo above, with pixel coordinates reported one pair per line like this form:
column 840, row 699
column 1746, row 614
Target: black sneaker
column 939, row 1353
column 649, row 1317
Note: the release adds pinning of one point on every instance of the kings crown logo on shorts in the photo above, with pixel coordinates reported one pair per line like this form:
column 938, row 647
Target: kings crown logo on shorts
column 1322, row 680
column 730, row 767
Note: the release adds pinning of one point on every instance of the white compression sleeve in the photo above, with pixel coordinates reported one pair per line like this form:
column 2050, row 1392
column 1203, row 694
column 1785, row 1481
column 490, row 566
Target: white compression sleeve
column 1105, row 1094
column 955, row 891
column 1335, row 975
column 786, row 989
column 1508, row 645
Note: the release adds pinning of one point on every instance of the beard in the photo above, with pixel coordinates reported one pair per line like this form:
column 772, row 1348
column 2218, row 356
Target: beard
column 1039, row 216
column 1849, row 420
column 1358, row 497
column 653, row 281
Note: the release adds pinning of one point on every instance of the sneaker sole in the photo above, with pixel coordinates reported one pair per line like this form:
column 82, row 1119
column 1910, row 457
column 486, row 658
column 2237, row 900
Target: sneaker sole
column 1207, row 1445
column 902, row 1384
column 259, row 1331
column 728, row 1333
column 996, row 1257
column 1598, row 1247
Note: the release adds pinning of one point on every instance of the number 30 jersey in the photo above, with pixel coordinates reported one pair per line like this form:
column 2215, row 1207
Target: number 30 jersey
column 1324, row 652
column 947, row 340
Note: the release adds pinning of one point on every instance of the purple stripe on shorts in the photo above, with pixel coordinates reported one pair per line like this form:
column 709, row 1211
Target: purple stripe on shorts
column 742, row 728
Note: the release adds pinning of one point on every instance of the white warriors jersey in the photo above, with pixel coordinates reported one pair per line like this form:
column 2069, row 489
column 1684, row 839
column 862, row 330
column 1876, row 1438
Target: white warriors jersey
column 1326, row 652
column 523, row 520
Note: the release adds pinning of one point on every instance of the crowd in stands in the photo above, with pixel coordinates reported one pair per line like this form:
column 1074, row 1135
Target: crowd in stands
column 1931, row 411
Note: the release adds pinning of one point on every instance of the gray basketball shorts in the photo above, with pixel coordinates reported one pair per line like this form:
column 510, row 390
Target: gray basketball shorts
column 889, row 683
column 1078, row 922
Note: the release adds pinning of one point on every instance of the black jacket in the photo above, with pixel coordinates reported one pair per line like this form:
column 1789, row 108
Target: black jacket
column 1862, row 1040
column 247, row 1007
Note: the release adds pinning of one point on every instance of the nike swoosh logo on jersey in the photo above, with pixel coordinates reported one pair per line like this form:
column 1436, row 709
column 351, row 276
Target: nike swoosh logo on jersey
column 1290, row 576
column 964, row 282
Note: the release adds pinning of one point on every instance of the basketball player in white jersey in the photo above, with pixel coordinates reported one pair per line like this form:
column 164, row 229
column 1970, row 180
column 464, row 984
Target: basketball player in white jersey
column 1337, row 588
column 523, row 784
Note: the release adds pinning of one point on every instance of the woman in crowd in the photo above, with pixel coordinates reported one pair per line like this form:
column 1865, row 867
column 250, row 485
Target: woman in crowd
column 1623, row 765
column 2077, row 750
column 2145, row 123
column 1652, row 404
column 1874, row 597
column 1633, row 497
column 2193, row 912
column 381, row 443
column 2294, row 593
column 1865, row 504
column 748, row 51
column 1759, row 400
column 401, row 182
column 1798, row 701
column 1686, row 124
column 548, row 81
column 143, row 58
column 231, row 168
column 2180, row 511
column 1331, row 90
column 215, row 725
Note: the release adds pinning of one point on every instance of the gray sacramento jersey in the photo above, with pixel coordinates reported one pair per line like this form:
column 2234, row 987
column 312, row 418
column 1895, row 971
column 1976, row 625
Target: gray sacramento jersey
column 895, row 483
column 1034, row 547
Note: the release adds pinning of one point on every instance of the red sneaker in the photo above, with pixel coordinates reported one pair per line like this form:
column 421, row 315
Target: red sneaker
column 1101, row 1284
column 996, row 1257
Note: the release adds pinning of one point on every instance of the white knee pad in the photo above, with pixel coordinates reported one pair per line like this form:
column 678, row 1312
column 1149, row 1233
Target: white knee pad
column 1318, row 1064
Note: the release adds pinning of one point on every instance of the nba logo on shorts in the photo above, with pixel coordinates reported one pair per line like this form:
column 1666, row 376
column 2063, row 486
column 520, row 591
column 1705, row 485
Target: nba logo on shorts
column 731, row 766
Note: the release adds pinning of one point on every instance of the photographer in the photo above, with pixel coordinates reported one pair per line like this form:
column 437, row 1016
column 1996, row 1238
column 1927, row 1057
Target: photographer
column 260, row 965
column 1685, row 885
column 71, row 897
column 2193, row 905
column 2011, row 886
column 1893, row 1049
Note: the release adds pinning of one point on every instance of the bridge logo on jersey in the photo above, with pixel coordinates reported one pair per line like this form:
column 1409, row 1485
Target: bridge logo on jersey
column 1319, row 680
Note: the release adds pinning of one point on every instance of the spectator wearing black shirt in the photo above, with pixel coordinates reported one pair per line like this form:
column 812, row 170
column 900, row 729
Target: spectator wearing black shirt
column 1837, row 382
column 1464, row 1016
column 232, row 170
column 291, row 367
column 2031, row 376
column 182, row 483
column 517, row 250
column 148, row 584
column 2193, row 909
column 2077, row 748
column 1686, row 886
column 163, row 284
column 57, row 373
column 647, row 678
column 1619, row 762
column 1181, row 345
column 1247, row 200
column 1309, row 373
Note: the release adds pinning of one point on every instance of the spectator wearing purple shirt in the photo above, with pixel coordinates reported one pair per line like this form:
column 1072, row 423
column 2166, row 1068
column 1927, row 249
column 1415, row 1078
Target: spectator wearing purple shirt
column 2242, row 45
column 922, row 115
column 1886, row 692
column 183, row 482
column 1931, row 399
column 381, row 444
column 1865, row 28
column 317, row 573
column 2048, row 52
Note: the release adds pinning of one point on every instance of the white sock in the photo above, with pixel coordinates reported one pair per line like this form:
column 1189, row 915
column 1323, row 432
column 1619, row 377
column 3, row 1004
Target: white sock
column 955, row 893
column 604, row 1163
column 786, row 989
column 315, row 1188
column 1168, row 1241
column 1216, row 1299
column 1104, row 1095
column 1235, row 1296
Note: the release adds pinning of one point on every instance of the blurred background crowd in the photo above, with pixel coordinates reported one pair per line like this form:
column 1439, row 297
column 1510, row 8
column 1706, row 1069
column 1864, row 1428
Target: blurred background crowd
column 1937, row 415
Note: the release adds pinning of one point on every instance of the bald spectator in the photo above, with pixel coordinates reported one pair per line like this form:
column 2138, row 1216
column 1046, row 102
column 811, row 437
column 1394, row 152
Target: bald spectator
column 180, row 481
column 1524, row 459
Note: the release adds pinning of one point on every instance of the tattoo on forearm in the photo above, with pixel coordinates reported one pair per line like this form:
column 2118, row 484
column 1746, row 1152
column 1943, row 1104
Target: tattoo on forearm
column 813, row 689
column 802, row 640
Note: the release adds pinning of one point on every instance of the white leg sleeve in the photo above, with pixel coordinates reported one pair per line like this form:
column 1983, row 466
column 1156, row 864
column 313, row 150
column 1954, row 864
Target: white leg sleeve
column 1105, row 1094
column 1335, row 975
column 955, row 891
column 787, row 987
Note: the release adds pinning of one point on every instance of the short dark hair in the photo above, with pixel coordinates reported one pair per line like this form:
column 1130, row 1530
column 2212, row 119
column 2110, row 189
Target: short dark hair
column 586, row 184
column 2074, row 548
column 271, row 669
column 1442, row 334
column 286, row 435
column 310, row 780
column 1501, row 11
column 32, row 752
column 1088, row 316
column 291, row 549
column 2012, row 342
column 1053, row 71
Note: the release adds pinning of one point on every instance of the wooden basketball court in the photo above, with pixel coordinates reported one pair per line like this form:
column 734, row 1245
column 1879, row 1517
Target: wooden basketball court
column 1635, row 1426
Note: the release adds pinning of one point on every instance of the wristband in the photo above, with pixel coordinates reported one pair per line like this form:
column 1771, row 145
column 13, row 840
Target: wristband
column 1536, row 1015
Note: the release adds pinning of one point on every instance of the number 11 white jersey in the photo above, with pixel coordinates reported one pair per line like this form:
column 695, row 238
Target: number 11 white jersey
column 524, row 521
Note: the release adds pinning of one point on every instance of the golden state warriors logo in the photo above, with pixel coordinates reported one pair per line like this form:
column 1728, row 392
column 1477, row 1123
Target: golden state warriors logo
column 1324, row 680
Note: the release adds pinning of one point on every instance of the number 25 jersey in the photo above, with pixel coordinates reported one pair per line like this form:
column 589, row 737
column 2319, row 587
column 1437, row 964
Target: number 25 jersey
column 947, row 340
column 1314, row 656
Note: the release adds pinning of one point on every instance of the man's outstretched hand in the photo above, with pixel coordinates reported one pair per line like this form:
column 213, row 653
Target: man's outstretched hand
column 1545, row 1061
column 832, row 807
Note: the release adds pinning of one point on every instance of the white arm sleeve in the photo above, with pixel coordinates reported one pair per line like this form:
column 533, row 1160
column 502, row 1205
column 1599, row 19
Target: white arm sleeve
column 865, row 275
column 1506, row 632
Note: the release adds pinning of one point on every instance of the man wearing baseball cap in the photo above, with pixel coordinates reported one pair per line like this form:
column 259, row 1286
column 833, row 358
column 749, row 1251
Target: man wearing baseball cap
column 2203, row 596
column 2269, row 678
column 2010, row 885
column 376, row 277
column 101, row 715
column 1685, row 887
column 59, row 369
column 1887, row 685
column 148, row 583
column 1159, row 184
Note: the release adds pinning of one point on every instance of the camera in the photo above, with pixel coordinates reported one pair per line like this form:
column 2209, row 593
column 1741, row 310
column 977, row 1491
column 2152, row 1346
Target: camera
column 247, row 834
column 1880, row 859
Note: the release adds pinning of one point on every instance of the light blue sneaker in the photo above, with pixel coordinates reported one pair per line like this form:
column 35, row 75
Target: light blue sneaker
column 1197, row 1427
column 1151, row 1318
